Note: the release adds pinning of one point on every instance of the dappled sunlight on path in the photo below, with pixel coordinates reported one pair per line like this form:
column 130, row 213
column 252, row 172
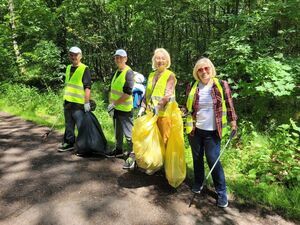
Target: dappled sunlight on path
column 41, row 186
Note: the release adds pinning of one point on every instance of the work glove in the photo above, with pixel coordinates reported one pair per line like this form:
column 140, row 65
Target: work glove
column 155, row 110
column 141, row 111
column 87, row 107
column 110, row 109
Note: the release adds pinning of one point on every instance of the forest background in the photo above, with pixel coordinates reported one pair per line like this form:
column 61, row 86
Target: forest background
column 254, row 45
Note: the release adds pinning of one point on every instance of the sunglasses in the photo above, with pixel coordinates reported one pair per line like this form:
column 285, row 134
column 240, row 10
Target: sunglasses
column 206, row 69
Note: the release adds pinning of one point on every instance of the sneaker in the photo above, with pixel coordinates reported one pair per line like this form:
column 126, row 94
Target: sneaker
column 115, row 153
column 197, row 189
column 151, row 172
column 65, row 147
column 80, row 154
column 222, row 201
column 129, row 163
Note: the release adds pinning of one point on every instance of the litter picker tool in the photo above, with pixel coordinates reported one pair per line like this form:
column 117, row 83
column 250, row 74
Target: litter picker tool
column 46, row 135
column 212, row 168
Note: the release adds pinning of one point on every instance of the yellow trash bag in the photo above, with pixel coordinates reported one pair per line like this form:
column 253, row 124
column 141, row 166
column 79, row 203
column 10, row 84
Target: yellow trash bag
column 147, row 142
column 175, row 166
column 164, row 126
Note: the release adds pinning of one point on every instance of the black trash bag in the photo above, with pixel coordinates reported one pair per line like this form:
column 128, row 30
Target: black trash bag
column 91, row 139
column 93, row 105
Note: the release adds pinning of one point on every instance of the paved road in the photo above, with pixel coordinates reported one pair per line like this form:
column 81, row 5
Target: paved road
column 41, row 186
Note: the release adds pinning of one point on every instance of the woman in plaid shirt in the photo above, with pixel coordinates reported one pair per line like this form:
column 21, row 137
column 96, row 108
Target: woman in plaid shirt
column 206, row 133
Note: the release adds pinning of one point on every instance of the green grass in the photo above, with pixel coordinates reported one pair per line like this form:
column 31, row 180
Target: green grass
column 248, row 152
column 45, row 108
column 283, row 200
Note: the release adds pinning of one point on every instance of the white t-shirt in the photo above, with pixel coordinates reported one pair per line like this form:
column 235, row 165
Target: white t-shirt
column 205, row 118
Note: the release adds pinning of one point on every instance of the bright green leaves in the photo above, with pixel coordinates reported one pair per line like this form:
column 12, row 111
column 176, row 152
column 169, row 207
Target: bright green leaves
column 270, row 158
column 271, row 77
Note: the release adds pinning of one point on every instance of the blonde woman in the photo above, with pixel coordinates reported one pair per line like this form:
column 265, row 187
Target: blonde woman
column 210, row 105
column 159, row 91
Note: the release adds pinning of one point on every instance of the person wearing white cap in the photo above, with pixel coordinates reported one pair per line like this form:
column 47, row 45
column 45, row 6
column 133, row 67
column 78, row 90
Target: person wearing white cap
column 76, row 97
column 121, row 103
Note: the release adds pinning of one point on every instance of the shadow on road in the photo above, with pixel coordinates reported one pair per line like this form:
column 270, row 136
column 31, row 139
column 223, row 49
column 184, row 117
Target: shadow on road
column 41, row 186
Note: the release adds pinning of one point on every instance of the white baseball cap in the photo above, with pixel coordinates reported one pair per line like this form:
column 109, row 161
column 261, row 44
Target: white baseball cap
column 75, row 50
column 121, row 52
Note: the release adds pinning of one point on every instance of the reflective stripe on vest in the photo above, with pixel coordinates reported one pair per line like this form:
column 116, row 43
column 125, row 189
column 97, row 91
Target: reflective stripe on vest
column 189, row 123
column 116, row 91
column 74, row 90
column 224, row 109
column 155, row 94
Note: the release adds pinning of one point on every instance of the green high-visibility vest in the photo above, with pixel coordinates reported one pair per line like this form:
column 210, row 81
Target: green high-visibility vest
column 116, row 91
column 189, row 104
column 156, row 93
column 74, row 90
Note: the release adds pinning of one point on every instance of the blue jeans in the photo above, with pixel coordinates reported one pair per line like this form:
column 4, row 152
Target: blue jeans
column 207, row 142
column 72, row 117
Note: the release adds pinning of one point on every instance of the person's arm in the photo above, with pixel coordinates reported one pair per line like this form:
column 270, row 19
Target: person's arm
column 87, row 95
column 170, row 87
column 231, row 115
column 87, row 84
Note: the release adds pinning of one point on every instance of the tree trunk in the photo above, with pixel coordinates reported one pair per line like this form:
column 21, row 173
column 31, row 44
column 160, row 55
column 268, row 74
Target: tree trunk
column 19, row 59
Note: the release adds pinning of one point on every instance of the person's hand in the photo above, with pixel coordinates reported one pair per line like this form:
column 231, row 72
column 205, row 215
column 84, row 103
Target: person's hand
column 155, row 110
column 111, row 113
column 141, row 111
column 192, row 132
column 233, row 128
column 110, row 107
column 87, row 107
column 183, row 110
column 233, row 125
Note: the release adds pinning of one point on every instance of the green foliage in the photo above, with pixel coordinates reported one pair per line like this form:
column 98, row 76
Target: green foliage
column 250, row 75
column 30, row 102
column 34, row 22
column 285, row 154
column 269, row 77
column 264, row 168
column 44, row 67
column 271, row 158
column 279, row 198
column 45, row 107
column 253, row 44
column 7, row 61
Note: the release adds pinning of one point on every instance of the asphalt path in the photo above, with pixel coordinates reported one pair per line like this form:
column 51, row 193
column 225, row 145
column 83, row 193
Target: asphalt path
column 42, row 186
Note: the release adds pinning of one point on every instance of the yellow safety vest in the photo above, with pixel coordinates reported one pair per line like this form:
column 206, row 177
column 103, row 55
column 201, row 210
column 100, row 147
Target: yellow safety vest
column 189, row 122
column 116, row 91
column 74, row 90
column 156, row 93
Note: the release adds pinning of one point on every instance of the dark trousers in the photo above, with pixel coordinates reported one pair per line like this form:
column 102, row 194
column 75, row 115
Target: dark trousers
column 72, row 117
column 207, row 142
column 123, row 127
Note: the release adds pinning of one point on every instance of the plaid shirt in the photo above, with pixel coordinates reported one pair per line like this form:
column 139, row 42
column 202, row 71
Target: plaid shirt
column 217, row 104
